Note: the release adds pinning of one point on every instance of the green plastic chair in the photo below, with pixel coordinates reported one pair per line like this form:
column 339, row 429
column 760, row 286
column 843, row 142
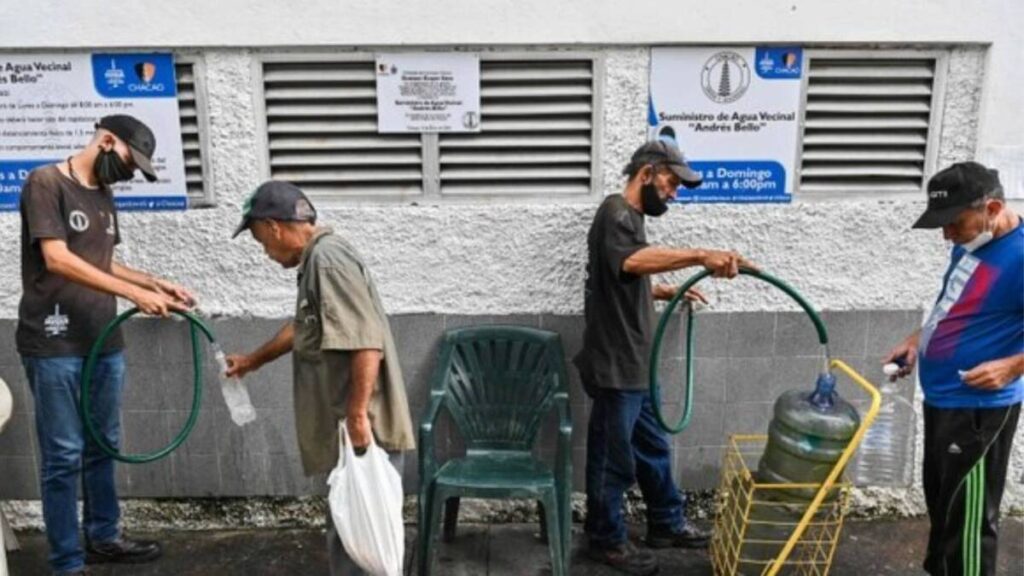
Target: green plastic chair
column 498, row 383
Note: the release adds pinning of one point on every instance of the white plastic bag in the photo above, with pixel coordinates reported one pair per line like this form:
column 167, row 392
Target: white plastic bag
column 366, row 506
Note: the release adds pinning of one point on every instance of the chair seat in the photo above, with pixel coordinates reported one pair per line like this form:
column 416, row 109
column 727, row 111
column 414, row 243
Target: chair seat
column 496, row 471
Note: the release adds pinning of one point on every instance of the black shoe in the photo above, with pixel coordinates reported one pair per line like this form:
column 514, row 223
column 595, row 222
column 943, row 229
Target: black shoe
column 626, row 558
column 122, row 551
column 689, row 537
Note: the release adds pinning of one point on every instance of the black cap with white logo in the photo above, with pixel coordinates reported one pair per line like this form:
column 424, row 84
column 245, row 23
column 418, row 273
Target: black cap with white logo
column 664, row 152
column 953, row 189
column 139, row 138
column 276, row 200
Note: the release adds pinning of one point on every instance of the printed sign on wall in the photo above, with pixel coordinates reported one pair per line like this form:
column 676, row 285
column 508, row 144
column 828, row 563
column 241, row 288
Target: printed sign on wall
column 428, row 92
column 734, row 112
column 50, row 103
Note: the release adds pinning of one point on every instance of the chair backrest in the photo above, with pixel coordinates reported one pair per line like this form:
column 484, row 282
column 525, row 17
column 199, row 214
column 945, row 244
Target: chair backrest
column 499, row 382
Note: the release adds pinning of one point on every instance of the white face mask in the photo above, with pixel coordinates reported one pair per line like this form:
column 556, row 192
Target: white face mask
column 980, row 240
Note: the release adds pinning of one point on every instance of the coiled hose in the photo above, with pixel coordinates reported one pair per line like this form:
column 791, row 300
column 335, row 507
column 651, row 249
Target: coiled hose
column 655, row 387
column 195, row 327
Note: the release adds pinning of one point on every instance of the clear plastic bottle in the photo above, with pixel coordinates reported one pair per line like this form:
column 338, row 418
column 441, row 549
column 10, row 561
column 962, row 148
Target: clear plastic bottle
column 886, row 453
column 236, row 395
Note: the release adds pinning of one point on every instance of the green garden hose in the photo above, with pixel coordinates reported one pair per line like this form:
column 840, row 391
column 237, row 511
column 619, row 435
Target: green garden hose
column 655, row 387
column 197, row 394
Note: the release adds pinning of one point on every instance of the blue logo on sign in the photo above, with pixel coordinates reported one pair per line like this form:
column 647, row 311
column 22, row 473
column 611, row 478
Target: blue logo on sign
column 134, row 75
column 779, row 62
column 737, row 181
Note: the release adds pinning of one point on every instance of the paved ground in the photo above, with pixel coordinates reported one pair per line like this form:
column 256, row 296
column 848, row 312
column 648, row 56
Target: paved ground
column 878, row 548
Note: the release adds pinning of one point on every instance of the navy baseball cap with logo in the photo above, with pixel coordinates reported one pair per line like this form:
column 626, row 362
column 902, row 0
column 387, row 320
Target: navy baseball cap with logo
column 664, row 152
column 953, row 189
column 139, row 138
column 276, row 200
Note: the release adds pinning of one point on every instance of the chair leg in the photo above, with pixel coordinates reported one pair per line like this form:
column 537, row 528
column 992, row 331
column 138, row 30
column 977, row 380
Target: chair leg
column 551, row 518
column 543, row 522
column 423, row 529
column 451, row 518
column 565, row 517
column 430, row 510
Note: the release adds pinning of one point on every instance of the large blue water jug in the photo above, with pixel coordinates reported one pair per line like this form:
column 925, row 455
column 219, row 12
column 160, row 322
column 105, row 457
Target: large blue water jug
column 806, row 437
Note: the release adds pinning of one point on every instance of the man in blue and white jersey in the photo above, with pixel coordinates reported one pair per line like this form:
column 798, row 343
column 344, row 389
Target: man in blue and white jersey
column 970, row 354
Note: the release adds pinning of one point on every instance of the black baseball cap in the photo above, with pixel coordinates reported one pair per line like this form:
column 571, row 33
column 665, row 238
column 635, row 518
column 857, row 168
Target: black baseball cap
column 664, row 152
column 276, row 200
column 953, row 189
column 137, row 136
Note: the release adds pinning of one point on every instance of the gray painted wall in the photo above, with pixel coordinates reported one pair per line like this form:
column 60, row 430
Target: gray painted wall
column 744, row 361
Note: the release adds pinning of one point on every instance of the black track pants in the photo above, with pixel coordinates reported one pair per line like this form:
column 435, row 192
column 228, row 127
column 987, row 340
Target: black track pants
column 966, row 453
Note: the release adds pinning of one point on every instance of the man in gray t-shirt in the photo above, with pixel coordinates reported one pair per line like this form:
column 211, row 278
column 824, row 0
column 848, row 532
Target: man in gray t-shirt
column 70, row 282
column 624, row 442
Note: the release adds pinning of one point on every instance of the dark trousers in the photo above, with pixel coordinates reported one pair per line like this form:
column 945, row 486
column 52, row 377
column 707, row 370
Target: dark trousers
column 966, row 453
column 626, row 446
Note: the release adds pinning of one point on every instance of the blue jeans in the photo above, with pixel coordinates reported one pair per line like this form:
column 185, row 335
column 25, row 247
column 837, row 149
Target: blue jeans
column 625, row 445
column 65, row 455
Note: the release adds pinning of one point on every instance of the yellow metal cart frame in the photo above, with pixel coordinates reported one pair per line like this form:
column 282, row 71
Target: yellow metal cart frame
column 740, row 525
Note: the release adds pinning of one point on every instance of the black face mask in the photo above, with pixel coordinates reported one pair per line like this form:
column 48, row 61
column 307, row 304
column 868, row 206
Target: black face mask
column 652, row 203
column 110, row 168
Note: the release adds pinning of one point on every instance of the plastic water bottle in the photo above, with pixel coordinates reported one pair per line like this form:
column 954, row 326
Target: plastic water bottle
column 887, row 450
column 236, row 395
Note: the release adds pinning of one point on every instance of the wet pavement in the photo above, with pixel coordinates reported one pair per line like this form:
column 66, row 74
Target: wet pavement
column 875, row 548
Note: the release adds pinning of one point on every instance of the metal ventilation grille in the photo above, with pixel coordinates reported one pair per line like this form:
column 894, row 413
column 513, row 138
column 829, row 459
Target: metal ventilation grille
column 537, row 119
column 190, row 137
column 322, row 132
column 866, row 124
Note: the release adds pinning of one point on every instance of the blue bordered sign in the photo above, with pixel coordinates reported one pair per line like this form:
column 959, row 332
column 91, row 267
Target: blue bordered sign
column 734, row 111
column 49, row 104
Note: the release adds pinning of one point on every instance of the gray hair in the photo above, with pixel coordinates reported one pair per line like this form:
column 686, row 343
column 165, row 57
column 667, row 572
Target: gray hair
column 993, row 194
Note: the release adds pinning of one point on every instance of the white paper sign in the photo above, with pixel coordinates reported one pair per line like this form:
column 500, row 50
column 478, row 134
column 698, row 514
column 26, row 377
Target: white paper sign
column 50, row 103
column 428, row 92
column 735, row 113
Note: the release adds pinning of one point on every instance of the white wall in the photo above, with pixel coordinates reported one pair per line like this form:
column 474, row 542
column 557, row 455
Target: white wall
column 261, row 23
column 512, row 258
column 486, row 259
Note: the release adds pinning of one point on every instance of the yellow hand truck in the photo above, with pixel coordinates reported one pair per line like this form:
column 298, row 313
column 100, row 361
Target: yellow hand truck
column 757, row 519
